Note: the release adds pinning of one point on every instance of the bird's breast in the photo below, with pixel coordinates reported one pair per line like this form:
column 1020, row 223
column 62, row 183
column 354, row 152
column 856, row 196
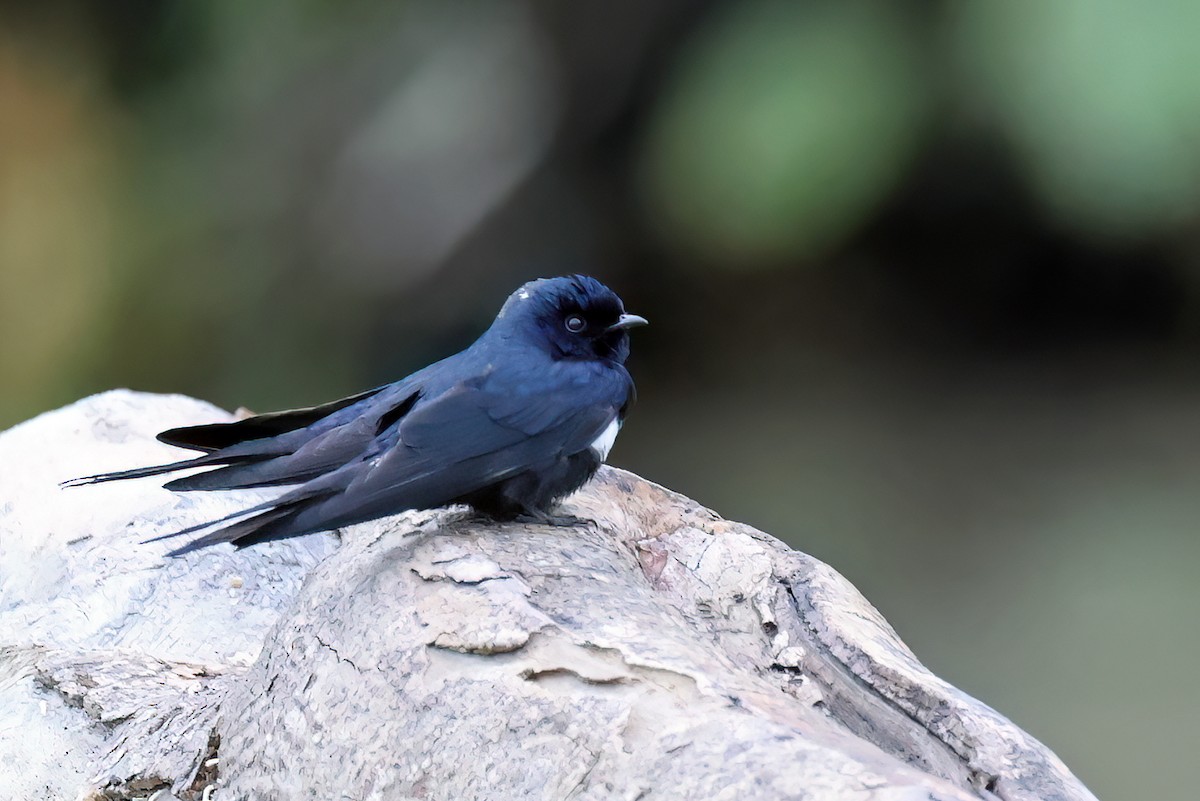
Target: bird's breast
column 603, row 443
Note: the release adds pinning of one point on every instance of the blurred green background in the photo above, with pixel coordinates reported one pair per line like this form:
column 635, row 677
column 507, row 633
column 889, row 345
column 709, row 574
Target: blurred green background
column 924, row 278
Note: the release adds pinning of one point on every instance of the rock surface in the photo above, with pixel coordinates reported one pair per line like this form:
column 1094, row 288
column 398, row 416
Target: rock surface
column 663, row 653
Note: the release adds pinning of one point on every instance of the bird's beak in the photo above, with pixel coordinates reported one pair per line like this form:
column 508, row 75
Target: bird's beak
column 628, row 321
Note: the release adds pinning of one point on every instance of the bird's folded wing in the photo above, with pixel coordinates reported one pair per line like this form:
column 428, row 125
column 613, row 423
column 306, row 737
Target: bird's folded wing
column 439, row 448
column 294, row 457
column 469, row 437
column 215, row 436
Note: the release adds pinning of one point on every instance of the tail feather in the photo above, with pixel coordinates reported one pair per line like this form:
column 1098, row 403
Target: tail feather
column 271, row 520
column 242, row 476
column 154, row 470
column 266, row 506
column 212, row 437
column 309, row 447
column 259, row 528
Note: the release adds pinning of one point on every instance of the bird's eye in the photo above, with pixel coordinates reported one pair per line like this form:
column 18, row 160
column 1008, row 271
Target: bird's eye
column 575, row 324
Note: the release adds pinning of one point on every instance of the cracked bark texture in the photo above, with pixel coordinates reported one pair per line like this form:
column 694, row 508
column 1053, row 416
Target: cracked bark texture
column 663, row 653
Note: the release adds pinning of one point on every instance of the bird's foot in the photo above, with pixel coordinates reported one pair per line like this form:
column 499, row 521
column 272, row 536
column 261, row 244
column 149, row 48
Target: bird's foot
column 558, row 521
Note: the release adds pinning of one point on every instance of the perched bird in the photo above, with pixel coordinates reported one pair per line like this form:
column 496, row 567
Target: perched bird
column 518, row 420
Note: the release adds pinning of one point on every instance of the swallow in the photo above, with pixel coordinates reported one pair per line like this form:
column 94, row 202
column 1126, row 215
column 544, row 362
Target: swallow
column 509, row 426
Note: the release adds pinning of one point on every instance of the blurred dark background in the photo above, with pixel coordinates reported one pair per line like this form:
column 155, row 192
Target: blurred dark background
column 923, row 278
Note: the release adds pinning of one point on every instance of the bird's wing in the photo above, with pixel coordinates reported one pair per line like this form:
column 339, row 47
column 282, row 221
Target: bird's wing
column 483, row 431
column 215, row 436
column 475, row 433
column 560, row 409
column 337, row 433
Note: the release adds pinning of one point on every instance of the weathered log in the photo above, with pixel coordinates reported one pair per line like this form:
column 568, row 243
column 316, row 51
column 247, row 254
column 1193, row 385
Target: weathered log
column 662, row 652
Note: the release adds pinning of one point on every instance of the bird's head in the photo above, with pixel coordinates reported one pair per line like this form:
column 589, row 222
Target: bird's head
column 574, row 317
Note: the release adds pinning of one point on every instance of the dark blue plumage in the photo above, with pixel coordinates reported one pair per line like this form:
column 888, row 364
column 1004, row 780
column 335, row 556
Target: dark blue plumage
column 518, row 420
